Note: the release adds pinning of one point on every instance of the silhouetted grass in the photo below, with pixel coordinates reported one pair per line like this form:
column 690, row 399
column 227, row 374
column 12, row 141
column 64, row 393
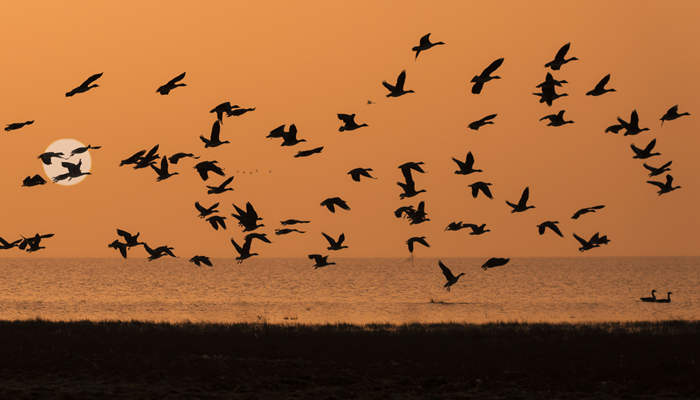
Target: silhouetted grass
column 372, row 361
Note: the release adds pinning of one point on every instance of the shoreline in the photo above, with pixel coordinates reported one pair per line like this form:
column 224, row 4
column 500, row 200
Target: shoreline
column 125, row 359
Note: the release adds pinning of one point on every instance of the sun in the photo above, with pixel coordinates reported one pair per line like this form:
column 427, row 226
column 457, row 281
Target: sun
column 66, row 146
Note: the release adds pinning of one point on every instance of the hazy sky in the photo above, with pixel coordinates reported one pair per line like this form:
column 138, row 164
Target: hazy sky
column 303, row 62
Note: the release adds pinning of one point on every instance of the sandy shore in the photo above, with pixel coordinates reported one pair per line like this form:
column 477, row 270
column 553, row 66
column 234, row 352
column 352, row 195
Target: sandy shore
column 42, row 359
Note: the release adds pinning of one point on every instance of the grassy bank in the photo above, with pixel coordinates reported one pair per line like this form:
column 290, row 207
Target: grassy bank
column 42, row 359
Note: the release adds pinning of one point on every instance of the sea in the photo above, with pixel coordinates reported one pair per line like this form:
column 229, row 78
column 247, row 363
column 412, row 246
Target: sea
column 357, row 291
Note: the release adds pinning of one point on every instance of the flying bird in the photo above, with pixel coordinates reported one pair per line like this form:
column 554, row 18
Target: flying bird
column 494, row 262
column 4, row 244
column 485, row 76
column 83, row 149
column 522, row 203
column 133, row 159
column 411, row 242
column 483, row 187
column 158, row 252
column 552, row 225
column 32, row 244
column 117, row 245
column 548, row 94
column 85, row 86
column 425, row 44
column 397, row 89
column 294, row 222
column 335, row 244
column 631, row 127
column 658, row 171
column 148, row 159
column 586, row 210
column 178, row 156
column 665, row 187
column 285, row 231
column 17, row 125
column 244, row 251
column 349, row 122
column 306, row 153
column 129, row 239
column 199, row 260
column 206, row 211
column 320, row 261
column 466, row 167
column 221, row 188
column 217, row 221
column 645, row 152
column 214, row 139
column 670, row 115
column 599, row 88
column 163, row 172
column 477, row 229
column 332, row 202
column 204, row 167
column 73, row 171
column 172, row 84
column 449, row 276
column 229, row 110
column 455, row 226
column 550, row 82
column 475, row 125
column 248, row 218
column 587, row 244
column 560, row 58
column 33, row 181
column 47, row 157
column 279, row 132
column 556, row 119
column 356, row 173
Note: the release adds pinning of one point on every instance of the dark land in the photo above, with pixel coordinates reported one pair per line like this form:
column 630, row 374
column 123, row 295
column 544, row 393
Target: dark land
column 84, row 359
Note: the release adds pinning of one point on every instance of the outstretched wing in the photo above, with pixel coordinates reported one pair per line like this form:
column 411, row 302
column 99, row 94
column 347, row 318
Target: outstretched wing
column 425, row 40
column 580, row 240
column 330, row 240
column 657, row 184
column 492, row 67
column 91, row 79
column 562, row 51
column 446, row 271
column 650, row 146
column 603, row 82
column 176, row 79
column 401, row 79
column 524, row 197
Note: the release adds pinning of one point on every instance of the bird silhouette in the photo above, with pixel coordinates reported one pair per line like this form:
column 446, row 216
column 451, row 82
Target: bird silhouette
column 285, row 231
column 294, row 222
column 204, row 167
column 129, row 239
column 587, row 244
column 631, row 127
column 214, row 139
column 449, row 276
column 206, row 211
column 47, row 157
column 649, row 299
column 279, row 132
column 117, row 245
column 404, row 210
column 397, row 89
column 244, row 251
column 485, row 76
column 199, row 260
column 409, row 186
column 556, row 119
column 236, row 111
column 667, row 299
column 335, row 244
column 248, row 218
column 356, row 173
column 658, row 171
column 320, row 261
column 5, row 245
column 163, row 172
column 411, row 242
column 332, row 202
column 602, row 239
column 425, row 44
column 665, row 187
column 33, row 181
column 158, row 252
column 477, row 229
column 560, row 58
column 522, row 203
column 349, row 122
column 83, row 149
column 548, row 94
column 645, row 152
column 229, row 110
column 85, row 86
column 133, row 159
column 599, row 88
column 483, row 187
column 550, row 82
column 17, row 125
column 419, row 215
column 586, row 210
column 172, row 84
column 475, row 125
column 455, row 226
column 494, row 262
column 409, row 189
column 306, row 153
column 221, row 188
column 670, row 115
column 217, row 221
column 32, row 244
column 552, row 225
column 178, row 156
column 73, row 171
column 466, row 167
column 148, row 159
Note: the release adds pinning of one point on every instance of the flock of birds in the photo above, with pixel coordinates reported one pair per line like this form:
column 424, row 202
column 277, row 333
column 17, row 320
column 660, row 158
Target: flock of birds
column 248, row 217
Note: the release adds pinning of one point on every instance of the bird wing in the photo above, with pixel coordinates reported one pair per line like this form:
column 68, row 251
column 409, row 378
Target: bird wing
column 460, row 164
column 672, row 110
column 489, row 117
column 215, row 131
column 636, row 149
column 603, row 82
column 550, row 117
column 634, row 118
column 524, row 197
column 669, row 180
column 152, row 151
column 470, row 160
column 238, row 248
column 555, row 229
column 492, row 67
column 597, row 207
column 562, row 52
column 205, row 260
column 650, row 168
column 401, row 79
column 657, row 184
column 330, row 240
column 346, row 118
column 580, row 240
column 126, row 235
column 175, row 79
column 388, row 86
column 91, row 79
column 199, row 207
column 342, row 204
column 650, row 146
column 446, row 271
column 226, row 182
column 425, row 40
column 341, row 238
column 485, row 189
column 250, row 210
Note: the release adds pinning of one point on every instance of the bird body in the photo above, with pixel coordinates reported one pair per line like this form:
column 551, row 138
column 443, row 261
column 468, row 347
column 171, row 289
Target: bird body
column 332, row 202
column 560, row 58
column 665, row 187
column 586, row 210
column 397, row 89
column 599, row 88
column 667, row 299
column 171, row 84
column 221, row 188
column 85, row 86
column 306, row 153
column 522, row 203
column 670, row 115
column 449, row 276
column 349, row 122
column 485, row 76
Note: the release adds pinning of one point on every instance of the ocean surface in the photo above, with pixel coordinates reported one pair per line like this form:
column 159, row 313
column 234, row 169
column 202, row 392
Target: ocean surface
column 354, row 291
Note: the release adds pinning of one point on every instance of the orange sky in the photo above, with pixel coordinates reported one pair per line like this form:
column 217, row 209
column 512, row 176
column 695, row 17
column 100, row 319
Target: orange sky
column 302, row 63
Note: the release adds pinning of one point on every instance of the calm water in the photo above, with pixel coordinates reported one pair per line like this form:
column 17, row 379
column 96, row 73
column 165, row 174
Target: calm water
column 355, row 290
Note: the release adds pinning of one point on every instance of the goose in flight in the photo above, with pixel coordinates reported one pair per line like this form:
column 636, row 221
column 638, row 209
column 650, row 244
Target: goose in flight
column 587, row 244
column 163, row 172
column 556, row 119
column 117, row 245
column 248, row 218
column 455, row 226
column 199, row 260
column 409, row 189
column 206, row 211
column 449, row 276
column 221, row 188
column 667, row 299
column 214, row 138
column 419, row 215
column 670, row 115
column 33, row 181
column 32, row 244
column 83, row 149
column 148, row 159
column 178, row 156
column 411, row 242
column 236, row 111
column 349, row 122
column 466, row 167
column 294, row 221
column 335, row 244
column 599, row 88
column 494, row 262
column 552, row 225
column 425, row 44
column 244, row 251
column 560, row 58
column 230, row 110
column 172, row 84
column 306, row 153
column 477, row 229
column 645, row 152
column 4, row 244
column 631, row 127
column 47, row 157
column 158, row 252
column 397, row 89
column 483, row 187
column 204, row 167
column 129, row 239
column 285, row 231
column 407, row 167
column 133, row 159
column 73, row 171
column 356, row 173
column 320, row 261
column 614, row 128
column 408, row 210
column 332, row 202
column 85, row 86
column 549, row 94
column 522, row 203
column 17, row 125
column 665, row 187
column 658, row 171
column 586, row 210
column 649, row 299
column 279, row 132
column 485, row 76
column 217, row 221
column 475, row 125
column 550, row 82
column 289, row 138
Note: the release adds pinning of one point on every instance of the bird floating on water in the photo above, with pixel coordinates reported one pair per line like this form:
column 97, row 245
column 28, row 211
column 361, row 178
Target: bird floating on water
column 649, row 299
